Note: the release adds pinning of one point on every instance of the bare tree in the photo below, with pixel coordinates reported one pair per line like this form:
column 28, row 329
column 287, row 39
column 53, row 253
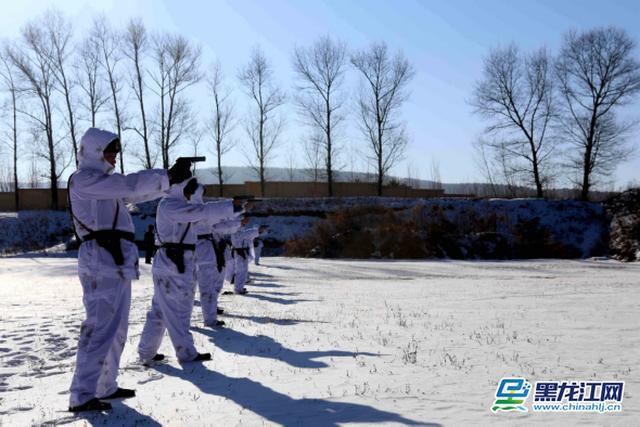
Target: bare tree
column 222, row 121
column 135, row 44
column 434, row 174
column 313, row 156
column 90, row 77
column 383, row 91
column 516, row 95
column 597, row 73
column 178, row 68
column 320, row 69
column 7, row 72
column 31, row 58
column 110, row 48
column 263, row 126
column 161, row 82
column 59, row 31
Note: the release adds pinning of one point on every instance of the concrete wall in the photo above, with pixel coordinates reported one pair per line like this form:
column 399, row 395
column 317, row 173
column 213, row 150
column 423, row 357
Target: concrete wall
column 228, row 190
column 39, row 198
column 32, row 199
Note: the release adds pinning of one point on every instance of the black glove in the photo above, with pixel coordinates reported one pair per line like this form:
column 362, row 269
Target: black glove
column 180, row 171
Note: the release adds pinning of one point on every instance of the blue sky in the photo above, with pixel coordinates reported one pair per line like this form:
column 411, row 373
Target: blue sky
column 445, row 40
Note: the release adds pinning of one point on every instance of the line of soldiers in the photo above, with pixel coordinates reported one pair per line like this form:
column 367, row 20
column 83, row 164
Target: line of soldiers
column 193, row 246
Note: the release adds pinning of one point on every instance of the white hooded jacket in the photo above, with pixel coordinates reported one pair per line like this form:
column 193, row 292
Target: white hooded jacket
column 244, row 237
column 205, row 254
column 225, row 228
column 172, row 219
column 96, row 194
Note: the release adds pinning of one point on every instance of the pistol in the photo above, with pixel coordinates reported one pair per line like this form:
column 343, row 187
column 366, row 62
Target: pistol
column 191, row 160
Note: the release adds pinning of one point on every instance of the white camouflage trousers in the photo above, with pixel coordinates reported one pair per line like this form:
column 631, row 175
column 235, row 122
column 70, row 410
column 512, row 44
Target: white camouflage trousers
column 210, row 283
column 171, row 309
column 102, row 337
column 257, row 252
column 241, row 271
column 229, row 263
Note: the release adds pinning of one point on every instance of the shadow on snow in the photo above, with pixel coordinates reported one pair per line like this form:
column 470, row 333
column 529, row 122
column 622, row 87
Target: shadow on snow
column 278, row 407
column 120, row 415
column 276, row 300
column 272, row 320
column 263, row 346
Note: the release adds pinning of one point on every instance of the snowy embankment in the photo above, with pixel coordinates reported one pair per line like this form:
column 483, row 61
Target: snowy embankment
column 574, row 224
column 33, row 230
column 579, row 226
column 329, row 343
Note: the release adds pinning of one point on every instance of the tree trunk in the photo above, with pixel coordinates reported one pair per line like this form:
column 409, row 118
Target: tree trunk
column 586, row 170
column 169, row 123
column 117, row 116
column 380, row 170
column 329, row 153
column 219, row 148
column 16, row 190
column 53, row 178
column 586, row 184
column 163, row 148
column 379, row 177
column 220, row 183
column 536, row 171
column 72, row 125
column 261, row 141
column 145, row 137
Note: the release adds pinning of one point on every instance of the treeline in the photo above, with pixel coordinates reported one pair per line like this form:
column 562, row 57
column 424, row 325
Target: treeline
column 558, row 116
column 130, row 79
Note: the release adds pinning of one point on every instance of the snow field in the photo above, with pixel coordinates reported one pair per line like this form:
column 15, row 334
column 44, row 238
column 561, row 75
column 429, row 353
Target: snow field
column 320, row 342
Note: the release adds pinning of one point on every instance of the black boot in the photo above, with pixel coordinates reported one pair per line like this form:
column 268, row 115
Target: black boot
column 220, row 310
column 120, row 393
column 92, row 405
column 157, row 358
column 201, row 357
column 216, row 324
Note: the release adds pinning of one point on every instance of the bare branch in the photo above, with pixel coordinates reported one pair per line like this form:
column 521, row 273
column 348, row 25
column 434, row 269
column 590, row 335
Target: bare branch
column 382, row 94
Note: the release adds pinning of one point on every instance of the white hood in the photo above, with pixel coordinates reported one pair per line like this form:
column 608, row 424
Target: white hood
column 92, row 145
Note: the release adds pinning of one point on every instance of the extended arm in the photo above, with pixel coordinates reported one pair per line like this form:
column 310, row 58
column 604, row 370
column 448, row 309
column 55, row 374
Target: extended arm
column 182, row 211
column 116, row 186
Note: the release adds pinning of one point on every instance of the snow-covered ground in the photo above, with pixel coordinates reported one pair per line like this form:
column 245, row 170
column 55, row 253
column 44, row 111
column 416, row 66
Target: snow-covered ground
column 321, row 342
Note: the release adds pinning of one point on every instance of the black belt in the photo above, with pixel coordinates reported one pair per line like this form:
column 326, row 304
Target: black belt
column 100, row 234
column 243, row 252
column 183, row 246
column 218, row 249
column 109, row 240
column 175, row 252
